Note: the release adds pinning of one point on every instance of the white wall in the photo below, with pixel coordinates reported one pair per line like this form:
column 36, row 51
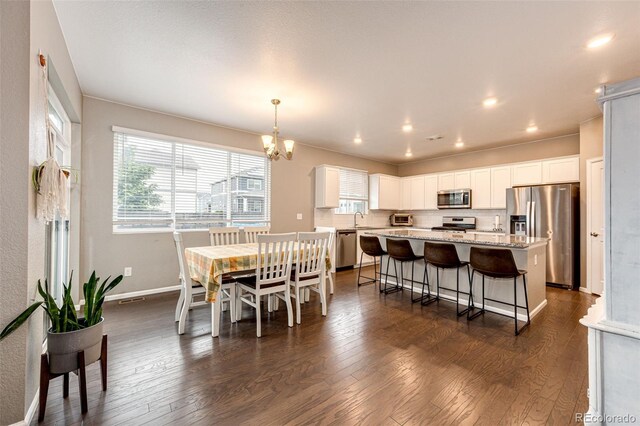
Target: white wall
column 14, row 157
column 27, row 29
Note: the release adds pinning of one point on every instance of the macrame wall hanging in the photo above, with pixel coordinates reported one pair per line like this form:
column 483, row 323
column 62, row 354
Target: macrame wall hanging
column 50, row 180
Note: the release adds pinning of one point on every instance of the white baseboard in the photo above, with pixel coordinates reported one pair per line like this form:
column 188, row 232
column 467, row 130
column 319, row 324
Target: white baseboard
column 584, row 290
column 132, row 294
column 31, row 412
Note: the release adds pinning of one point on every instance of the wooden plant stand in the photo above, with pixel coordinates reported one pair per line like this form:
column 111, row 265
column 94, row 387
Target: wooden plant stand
column 46, row 376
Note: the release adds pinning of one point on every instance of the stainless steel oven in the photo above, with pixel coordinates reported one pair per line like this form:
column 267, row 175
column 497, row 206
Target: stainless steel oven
column 454, row 199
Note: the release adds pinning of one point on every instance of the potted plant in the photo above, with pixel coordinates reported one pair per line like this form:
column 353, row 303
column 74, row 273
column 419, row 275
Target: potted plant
column 69, row 334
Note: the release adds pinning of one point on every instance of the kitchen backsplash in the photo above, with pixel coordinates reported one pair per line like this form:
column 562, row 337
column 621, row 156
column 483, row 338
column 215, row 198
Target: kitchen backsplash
column 423, row 219
column 326, row 217
column 484, row 218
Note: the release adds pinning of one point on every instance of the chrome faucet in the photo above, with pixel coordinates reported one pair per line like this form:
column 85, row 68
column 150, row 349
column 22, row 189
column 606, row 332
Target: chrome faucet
column 355, row 218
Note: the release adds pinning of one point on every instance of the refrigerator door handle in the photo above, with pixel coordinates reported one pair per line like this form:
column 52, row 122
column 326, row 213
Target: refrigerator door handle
column 528, row 218
column 533, row 219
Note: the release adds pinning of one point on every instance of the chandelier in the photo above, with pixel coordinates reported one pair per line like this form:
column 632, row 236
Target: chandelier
column 270, row 142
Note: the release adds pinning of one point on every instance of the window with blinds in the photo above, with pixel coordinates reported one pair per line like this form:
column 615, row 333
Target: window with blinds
column 354, row 191
column 159, row 184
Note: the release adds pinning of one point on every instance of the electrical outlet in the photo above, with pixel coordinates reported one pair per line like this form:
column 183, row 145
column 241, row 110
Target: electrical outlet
column 128, row 271
column 535, row 259
column 299, row 216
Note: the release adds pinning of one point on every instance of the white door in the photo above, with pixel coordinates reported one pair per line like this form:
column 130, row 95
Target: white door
column 595, row 226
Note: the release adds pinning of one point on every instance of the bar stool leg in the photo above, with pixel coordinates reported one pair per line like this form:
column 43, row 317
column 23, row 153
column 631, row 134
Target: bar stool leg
column 481, row 311
column 430, row 299
column 425, row 280
column 360, row 269
column 515, row 304
column 526, row 298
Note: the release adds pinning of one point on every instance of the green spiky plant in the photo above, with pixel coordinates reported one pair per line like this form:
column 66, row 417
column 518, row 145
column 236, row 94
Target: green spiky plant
column 64, row 318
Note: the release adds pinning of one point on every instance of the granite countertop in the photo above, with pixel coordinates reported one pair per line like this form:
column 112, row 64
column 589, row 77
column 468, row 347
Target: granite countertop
column 511, row 241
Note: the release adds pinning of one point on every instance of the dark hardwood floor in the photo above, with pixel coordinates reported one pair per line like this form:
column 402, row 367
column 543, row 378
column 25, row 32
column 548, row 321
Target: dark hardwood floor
column 374, row 359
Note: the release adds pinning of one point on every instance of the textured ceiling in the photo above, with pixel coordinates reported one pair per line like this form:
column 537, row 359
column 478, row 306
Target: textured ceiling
column 347, row 69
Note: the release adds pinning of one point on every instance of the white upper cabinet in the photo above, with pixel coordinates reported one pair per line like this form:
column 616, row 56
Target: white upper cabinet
column 446, row 181
column 327, row 187
column 416, row 185
column 462, row 180
column 561, row 170
column 384, row 192
column 480, row 188
column 431, row 192
column 500, row 181
column 405, row 193
column 526, row 173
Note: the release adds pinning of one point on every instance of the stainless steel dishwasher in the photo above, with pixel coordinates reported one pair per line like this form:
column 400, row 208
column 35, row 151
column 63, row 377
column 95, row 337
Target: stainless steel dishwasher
column 346, row 248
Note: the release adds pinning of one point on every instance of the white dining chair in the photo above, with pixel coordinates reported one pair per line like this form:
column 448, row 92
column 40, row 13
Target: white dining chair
column 331, row 249
column 224, row 236
column 273, row 272
column 190, row 289
column 251, row 232
column 310, row 269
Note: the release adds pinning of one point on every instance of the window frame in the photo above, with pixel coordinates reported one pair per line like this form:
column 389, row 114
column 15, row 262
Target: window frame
column 172, row 222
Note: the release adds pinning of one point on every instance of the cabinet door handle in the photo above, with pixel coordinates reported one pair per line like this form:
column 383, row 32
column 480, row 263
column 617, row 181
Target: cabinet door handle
column 594, row 234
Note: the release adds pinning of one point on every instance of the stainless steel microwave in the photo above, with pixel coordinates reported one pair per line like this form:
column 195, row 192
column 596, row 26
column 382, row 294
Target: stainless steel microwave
column 401, row 219
column 454, row 199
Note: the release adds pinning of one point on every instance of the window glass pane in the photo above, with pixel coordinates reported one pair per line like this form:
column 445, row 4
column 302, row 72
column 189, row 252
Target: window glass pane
column 160, row 184
column 354, row 191
column 55, row 120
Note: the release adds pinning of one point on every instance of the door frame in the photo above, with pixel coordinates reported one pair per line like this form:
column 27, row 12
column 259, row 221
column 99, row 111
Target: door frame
column 586, row 232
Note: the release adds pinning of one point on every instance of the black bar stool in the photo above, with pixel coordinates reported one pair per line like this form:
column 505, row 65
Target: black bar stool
column 371, row 247
column 498, row 263
column 401, row 251
column 444, row 256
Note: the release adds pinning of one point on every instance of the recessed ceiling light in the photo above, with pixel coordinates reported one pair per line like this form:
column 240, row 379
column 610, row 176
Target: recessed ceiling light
column 532, row 129
column 598, row 90
column 407, row 128
column 600, row 40
column 459, row 144
column 357, row 140
column 489, row 102
column 408, row 154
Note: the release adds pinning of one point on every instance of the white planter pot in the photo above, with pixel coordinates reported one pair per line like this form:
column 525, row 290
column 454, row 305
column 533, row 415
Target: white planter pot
column 63, row 348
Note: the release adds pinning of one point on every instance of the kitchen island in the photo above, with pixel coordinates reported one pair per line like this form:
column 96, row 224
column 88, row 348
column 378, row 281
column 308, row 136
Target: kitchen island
column 528, row 252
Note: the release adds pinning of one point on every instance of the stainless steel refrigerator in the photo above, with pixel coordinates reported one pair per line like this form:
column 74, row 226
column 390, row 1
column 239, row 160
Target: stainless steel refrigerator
column 550, row 211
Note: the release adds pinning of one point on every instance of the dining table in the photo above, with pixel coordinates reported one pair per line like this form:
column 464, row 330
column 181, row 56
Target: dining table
column 208, row 264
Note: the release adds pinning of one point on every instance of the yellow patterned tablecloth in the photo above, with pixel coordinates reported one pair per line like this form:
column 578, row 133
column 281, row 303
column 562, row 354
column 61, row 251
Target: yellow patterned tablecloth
column 208, row 264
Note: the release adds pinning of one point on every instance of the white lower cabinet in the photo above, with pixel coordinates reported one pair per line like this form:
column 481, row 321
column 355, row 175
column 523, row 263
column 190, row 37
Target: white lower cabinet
column 480, row 184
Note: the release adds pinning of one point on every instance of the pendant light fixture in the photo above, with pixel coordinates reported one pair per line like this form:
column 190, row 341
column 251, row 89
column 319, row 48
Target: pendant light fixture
column 270, row 142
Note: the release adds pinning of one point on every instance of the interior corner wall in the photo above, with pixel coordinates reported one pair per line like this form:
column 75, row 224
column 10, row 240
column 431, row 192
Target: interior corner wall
column 591, row 146
column 528, row 151
column 152, row 255
column 14, row 178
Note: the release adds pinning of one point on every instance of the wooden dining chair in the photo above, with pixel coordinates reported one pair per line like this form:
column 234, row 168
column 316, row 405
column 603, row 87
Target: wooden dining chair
column 190, row 289
column 331, row 249
column 273, row 272
column 224, row 236
column 251, row 232
column 310, row 269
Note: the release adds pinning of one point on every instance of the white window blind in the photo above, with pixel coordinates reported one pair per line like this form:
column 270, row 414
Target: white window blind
column 174, row 185
column 354, row 191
